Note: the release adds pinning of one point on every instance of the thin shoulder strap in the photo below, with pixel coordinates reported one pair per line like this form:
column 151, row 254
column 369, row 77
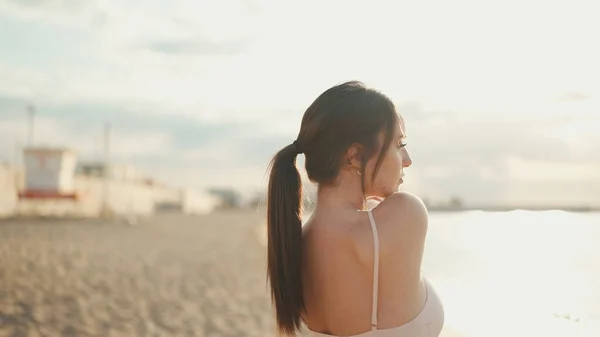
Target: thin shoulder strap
column 375, row 271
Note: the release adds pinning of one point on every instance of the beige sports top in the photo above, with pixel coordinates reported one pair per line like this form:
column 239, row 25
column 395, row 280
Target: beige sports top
column 428, row 323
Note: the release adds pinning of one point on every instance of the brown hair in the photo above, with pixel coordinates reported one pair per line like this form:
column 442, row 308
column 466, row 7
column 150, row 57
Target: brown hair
column 345, row 115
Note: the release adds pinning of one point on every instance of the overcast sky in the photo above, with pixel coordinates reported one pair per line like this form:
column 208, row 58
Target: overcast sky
column 501, row 98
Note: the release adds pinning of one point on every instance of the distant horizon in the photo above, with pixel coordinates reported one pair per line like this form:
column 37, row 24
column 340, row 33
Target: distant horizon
column 433, row 204
column 505, row 208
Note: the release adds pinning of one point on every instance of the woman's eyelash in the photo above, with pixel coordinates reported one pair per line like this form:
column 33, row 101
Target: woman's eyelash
column 401, row 145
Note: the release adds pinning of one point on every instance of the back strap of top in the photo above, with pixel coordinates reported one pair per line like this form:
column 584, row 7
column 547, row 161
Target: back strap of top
column 375, row 271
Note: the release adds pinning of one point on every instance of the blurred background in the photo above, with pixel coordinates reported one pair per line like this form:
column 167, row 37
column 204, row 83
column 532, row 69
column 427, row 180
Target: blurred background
column 135, row 138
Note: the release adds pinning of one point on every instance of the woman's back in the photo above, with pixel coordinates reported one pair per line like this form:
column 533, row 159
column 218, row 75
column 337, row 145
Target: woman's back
column 339, row 263
column 336, row 280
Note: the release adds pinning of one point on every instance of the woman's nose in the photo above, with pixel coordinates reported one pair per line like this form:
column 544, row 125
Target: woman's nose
column 406, row 160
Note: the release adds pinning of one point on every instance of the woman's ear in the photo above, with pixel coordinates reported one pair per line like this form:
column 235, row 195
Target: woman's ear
column 354, row 157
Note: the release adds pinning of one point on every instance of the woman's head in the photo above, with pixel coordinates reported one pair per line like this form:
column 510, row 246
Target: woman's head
column 352, row 128
column 350, row 132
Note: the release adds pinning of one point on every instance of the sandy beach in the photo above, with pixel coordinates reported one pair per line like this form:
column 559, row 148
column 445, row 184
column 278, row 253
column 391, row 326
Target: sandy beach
column 167, row 276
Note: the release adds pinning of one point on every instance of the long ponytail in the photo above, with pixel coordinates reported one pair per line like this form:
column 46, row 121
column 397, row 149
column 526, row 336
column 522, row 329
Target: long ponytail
column 284, row 256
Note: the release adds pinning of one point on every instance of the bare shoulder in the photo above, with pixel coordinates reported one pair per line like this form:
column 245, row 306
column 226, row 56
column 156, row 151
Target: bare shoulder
column 401, row 221
column 402, row 213
column 404, row 203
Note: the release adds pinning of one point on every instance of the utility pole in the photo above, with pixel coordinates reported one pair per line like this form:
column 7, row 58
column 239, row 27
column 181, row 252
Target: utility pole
column 30, row 124
column 107, row 143
column 107, row 171
column 16, row 152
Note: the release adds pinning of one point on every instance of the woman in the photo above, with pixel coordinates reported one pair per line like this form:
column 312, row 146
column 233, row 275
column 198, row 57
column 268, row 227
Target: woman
column 349, row 271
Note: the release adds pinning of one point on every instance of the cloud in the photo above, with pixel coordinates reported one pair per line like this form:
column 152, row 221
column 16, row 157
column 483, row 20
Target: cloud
column 164, row 54
column 198, row 46
column 89, row 143
column 173, row 148
column 58, row 12
column 480, row 160
column 486, row 160
column 573, row 96
column 197, row 88
column 129, row 22
column 188, row 131
column 21, row 82
column 451, row 138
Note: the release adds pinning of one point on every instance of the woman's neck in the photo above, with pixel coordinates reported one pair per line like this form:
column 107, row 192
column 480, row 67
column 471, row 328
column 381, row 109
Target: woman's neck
column 340, row 197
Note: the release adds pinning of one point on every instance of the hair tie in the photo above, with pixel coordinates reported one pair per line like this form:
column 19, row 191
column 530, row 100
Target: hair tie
column 296, row 147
